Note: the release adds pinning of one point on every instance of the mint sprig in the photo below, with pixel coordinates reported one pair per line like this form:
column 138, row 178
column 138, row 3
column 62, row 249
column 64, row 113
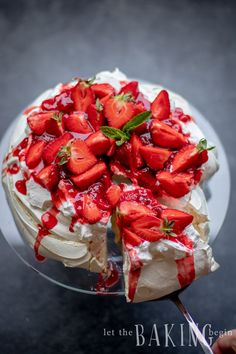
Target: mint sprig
column 121, row 136
column 136, row 121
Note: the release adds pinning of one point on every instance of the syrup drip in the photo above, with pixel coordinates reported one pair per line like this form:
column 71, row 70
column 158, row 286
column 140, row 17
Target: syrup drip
column 41, row 234
column 49, row 219
column 109, row 279
column 72, row 224
column 13, row 169
column 185, row 266
column 21, row 186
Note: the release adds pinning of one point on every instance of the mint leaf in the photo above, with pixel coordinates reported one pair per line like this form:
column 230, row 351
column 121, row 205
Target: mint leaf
column 115, row 134
column 136, row 121
column 121, row 136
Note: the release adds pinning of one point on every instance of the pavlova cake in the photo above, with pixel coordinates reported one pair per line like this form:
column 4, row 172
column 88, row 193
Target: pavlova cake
column 110, row 149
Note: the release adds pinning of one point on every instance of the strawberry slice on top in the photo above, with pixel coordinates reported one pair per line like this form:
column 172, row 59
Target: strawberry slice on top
column 77, row 156
column 132, row 210
column 160, row 107
column 77, row 122
column 191, row 156
column 119, row 110
column 51, row 150
column 90, row 176
column 61, row 102
column 136, row 144
column 82, row 95
column 155, row 157
column 48, row 177
column 34, row 153
column 98, row 143
column 90, row 210
column 95, row 114
column 131, row 88
column 55, row 125
column 176, row 184
column 37, row 121
column 102, row 90
column 165, row 136
column 181, row 219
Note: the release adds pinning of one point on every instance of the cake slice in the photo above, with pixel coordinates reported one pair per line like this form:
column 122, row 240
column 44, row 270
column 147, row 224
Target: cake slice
column 162, row 249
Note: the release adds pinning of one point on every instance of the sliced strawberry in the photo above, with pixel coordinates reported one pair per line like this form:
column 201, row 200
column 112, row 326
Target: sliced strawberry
column 148, row 227
column 149, row 234
column 48, row 177
column 161, row 106
column 76, row 122
column 82, row 96
column 132, row 88
column 180, row 218
column 165, row 136
column 136, row 144
column 102, row 90
column 37, row 122
column 146, row 179
column 95, row 115
column 155, row 157
column 131, row 211
column 176, row 185
column 131, row 238
column 119, row 110
column 98, row 143
column 91, row 176
column 81, row 158
column 143, row 128
column 112, row 149
column 90, row 210
column 34, row 154
column 61, row 102
column 124, row 154
column 104, row 99
column 51, row 150
column 189, row 157
column 113, row 194
column 55, row 125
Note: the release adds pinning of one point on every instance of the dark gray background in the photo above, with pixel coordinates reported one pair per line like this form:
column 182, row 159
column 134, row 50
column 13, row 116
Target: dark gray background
column 188, row 46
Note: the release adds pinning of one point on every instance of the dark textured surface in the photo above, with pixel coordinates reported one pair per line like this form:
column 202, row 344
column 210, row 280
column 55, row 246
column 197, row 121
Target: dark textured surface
column 190, row 47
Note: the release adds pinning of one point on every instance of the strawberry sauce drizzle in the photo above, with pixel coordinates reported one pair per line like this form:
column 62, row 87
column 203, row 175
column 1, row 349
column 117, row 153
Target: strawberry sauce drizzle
column 134, row 273
column 108, row 279
column 21, row 186
column 13, row 169
column 72, row 224
column 49, row 219
column 42, row 232
column 185, row 266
